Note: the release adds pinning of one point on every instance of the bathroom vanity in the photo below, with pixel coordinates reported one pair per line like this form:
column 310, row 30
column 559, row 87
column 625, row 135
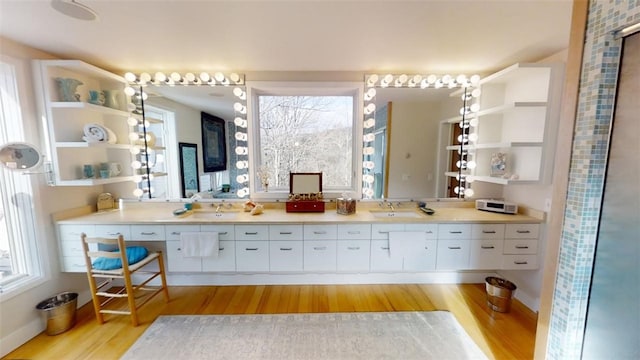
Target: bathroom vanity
column 373, row 245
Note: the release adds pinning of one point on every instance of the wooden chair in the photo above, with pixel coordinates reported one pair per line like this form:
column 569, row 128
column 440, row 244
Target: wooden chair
column 99, row 280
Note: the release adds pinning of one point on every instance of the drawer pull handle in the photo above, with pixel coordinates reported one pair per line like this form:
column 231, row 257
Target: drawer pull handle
column 286, row 249
column 523, row 231
column 251, row 233
column 251, row 249
column 319, row 232
column 520, row 262
column 455, row 232
column 179, row 249
column 175, row 233
column 353, row 248
column 285, row 233
column 223, row 233
column 429, row 232
column 426, row 248
column 113, row 234
column 488, row 232
column 384, row 247
column 353, row 232
column 220, row 249
column 521, row 247
column 382, row 232
column 319, row 248
column 148, row 233
column 488, row 247
column 454, row 247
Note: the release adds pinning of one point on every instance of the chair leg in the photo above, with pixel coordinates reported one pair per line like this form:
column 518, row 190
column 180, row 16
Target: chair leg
column 131, row 299
column 163, row 277
column 95, row 298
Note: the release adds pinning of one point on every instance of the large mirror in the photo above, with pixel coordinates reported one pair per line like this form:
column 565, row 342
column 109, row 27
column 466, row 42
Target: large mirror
column 411, row 138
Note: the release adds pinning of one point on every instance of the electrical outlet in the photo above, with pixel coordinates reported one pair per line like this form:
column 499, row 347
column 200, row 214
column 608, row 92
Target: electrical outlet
column 547, row 205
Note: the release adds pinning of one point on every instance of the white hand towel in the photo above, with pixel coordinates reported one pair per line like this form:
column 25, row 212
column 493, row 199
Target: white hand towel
column 95, row 133
column 199, row 244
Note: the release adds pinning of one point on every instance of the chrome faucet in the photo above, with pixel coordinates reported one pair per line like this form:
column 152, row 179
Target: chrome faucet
column 218, row 208
column 391, row 206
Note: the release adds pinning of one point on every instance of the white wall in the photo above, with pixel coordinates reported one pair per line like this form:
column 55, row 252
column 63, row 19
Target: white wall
column 19, row 319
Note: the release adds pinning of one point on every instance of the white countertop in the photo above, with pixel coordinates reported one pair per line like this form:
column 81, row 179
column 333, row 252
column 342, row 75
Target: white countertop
column 162, row 213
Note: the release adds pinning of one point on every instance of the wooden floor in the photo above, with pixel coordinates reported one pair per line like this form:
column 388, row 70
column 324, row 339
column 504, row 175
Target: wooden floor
column 499, row 335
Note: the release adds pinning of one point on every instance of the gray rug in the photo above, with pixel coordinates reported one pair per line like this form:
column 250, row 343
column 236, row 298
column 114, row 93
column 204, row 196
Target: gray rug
column 362, row 335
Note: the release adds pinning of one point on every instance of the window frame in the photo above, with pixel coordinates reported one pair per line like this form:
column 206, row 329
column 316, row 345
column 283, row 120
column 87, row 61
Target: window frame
column 313, row 88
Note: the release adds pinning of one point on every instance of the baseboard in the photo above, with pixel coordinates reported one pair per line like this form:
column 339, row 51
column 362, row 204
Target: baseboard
column 20, row 336
column 529, row 301
column 326, row 279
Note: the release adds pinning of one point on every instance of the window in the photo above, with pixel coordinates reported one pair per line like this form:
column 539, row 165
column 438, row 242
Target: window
column 19, row 262
column 306, row 130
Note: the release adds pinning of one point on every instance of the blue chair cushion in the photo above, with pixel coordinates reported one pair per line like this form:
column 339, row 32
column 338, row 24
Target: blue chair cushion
column 134, row 254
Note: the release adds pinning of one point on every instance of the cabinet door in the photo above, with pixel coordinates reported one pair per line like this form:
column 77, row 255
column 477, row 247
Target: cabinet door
column 225, row 232
column 522, row 231
column 226, row 260
column 486, row 254
column 353, row 255
column 430, row 230
column 382, row 259
column 147, row 233
column 285, row 255
column 454, row 231
column 112, row 231
column 252, row 255
column 177, row 263
column 487, row 231
column 70, row 246
column 320, row 255
column 453, row 255
column 521, row 246
column 285, row 232
column 354, row 231
column 422, row 256
column 520, row 262
column 252, row 232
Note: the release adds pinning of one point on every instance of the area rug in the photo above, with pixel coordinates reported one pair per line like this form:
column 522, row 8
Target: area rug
column 327, row 336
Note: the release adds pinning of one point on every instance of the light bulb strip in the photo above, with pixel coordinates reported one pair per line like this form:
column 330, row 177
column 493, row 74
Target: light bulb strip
column 422, row 81
column 189, row 78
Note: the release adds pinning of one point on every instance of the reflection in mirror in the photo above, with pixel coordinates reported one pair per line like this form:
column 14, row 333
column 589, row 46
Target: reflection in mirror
column 179, row 102
column 406, row 137
column 20, row 156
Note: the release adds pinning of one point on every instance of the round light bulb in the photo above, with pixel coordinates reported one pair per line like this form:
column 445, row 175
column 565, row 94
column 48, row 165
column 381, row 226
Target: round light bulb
column 473, row 137
column 160, row 77
column 471, row 164
column 461, row 79
column 474, row 79
column 372, row 80
column 241, row 150
column 205, row 77
column 132, row 121
column 242, row 164
column 130, row 77
column 431, row 79
column 138, row 192
column 468, row 192
column 135, row 149
column 137, row 179
column 190, row 77
column 134, row 136
column 369, row 123
column 136, row 164
column 475, row 107
column 240, row 136
column 175, row 76
column 129, row 91
column 145, row 78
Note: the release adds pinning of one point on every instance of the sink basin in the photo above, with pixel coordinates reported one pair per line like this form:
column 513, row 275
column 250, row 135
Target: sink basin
column 212, row 215
column 396, row 214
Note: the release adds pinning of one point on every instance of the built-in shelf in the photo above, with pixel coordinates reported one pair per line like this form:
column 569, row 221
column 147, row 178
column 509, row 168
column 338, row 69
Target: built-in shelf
column 501, row 145
column 84, row 144
column 87, row 106
column 92, row 182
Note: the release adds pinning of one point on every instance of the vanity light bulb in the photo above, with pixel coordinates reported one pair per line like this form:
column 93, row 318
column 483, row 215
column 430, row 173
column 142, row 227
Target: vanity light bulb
column 160, row 77
column 368, row 150
column 369, row 137
column 461, row 79
column 242, row 164
column 456, row 190
column 241, row 150
column 438, row 84
column 387, row 79
column 475, row 107
column 371, row 107
column 130, row 77
column 218, row 76
column 470, row 179
column 446, row 79
column 240, row 122
column 368, row 179
column 134, row 136
column 144, row 96
column 242, row 178
column 368, row 165
column 468, row 192
column 474, row 79
column 471, row 164
column 145, row 78
column 190, row 77
column 476, row 93
column 138, row 192
column 205, row 77
column 372, row 80
column 473, row 137
column 431, row 79
column 135, row 149
column 369, row 123
column 137, row 179
column 234, row 77
column 132, row 121
column 368, row 192
column 240, row 108
column 175, row 77
column 238, row 92
column 241, row 136
column 129, row 91
column 136, row 164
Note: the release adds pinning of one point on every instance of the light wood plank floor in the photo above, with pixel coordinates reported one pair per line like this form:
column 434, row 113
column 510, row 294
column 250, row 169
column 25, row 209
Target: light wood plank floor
column 499, row 335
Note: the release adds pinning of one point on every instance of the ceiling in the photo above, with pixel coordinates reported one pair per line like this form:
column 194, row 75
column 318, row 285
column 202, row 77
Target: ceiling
column 296, row 40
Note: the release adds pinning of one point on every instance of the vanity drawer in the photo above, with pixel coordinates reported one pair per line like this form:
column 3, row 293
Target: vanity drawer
column 74, row 264
column 252, row 256
column 487, row 231
column 430, row 230
column 520, row 262
column 453, row 254
column 285, row 232
column 252, row 232
column 521, row 246
column 226, row 260
column 382, row 260
column 320, row 255
column 486, row 254
column 353, row 255
column 176, row 262
column 285, row 255
column 354, row 231
column 73, row 232
column 172, row 232
column 112, row 231
column 522, row 231
column 147, row 233
column 454, row 231
column 74, row 248
column 320, row 232
column 381, row 231
column 225, row 232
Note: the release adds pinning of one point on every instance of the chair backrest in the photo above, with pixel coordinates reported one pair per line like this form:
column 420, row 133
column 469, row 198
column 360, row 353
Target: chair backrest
column 112, row 248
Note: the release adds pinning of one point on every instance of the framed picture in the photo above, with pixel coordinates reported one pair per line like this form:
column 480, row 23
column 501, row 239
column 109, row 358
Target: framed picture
column 498, row 164
column 190, row 181
column 214, row 145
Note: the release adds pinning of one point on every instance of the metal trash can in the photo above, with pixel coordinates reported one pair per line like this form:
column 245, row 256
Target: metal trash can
column 499, row 293
column 59, row 312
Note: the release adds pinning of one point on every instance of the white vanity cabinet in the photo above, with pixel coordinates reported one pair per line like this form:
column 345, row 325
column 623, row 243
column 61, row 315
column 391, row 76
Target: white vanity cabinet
column 285, row 248
column 320, row 248
column 353, row 247
column 252, row 248
column 454, row 246
column 176, row 262
column 403, row 247
column 487, row 243
column 70, row 245
column 65, row 122
column 521, row 247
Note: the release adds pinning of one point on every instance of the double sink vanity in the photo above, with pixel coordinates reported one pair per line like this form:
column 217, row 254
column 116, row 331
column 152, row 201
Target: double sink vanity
column 281, row 247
